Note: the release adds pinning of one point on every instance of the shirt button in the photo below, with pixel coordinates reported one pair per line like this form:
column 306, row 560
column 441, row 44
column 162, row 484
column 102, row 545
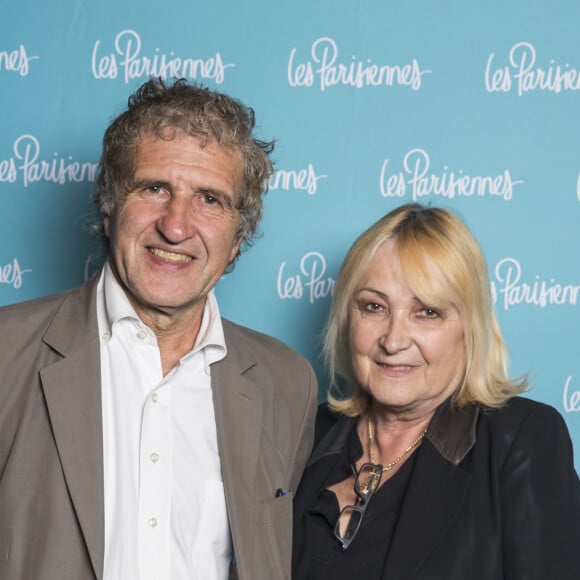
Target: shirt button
column 154, row 457
column 153, row 522
column 106, row 336
column 155, row 397
column 142, row 335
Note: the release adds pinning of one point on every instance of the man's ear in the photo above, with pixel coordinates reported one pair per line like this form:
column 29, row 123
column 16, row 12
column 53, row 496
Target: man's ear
column 236, row 249
column 107, row 224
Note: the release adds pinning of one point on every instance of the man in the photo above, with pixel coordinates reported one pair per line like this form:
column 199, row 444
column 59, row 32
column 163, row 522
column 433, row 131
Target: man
column 142, row 435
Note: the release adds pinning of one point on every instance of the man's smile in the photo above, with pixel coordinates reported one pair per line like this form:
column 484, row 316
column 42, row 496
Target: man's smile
column 170, row 256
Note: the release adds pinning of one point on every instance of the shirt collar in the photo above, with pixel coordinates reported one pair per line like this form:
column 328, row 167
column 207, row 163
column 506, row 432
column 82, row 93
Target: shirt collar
column 113, row 306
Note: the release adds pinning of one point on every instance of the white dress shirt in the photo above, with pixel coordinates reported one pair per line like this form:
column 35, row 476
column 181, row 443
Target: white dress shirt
column 165, row 511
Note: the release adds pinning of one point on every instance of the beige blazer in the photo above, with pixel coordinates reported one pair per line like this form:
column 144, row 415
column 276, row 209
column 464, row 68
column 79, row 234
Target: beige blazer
column 51, row 468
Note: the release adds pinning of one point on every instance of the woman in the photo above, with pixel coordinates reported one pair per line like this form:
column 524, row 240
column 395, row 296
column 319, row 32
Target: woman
column 430, row 466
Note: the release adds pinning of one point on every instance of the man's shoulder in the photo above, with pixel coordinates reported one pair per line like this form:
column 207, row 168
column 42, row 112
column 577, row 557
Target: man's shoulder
column 254, row 339
column 37, row 307
column 275, row 368
column 39, row 312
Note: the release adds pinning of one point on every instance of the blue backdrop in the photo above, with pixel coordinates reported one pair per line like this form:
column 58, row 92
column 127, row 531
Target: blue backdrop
column 470, row 105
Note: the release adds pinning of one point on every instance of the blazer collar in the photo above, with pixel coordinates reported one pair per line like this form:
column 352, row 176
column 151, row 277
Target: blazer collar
column 437, row 489
column 75, row 322
column 238, row 405
column 72, row 389
column 451, row 431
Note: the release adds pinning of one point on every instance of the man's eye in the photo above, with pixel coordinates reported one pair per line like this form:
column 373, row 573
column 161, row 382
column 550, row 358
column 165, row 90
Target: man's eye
column 210, row 199
column 153, row 193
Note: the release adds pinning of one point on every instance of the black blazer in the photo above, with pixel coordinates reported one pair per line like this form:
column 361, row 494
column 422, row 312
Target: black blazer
column 493, row 496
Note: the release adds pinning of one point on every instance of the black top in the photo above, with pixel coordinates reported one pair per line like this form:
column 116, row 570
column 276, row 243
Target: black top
column 319, row 555
column 483, row 488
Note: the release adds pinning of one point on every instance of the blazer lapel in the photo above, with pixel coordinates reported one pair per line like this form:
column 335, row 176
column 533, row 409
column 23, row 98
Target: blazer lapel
column 72, row 388
column 238, row 406
column 437, row 490
column 436, row 493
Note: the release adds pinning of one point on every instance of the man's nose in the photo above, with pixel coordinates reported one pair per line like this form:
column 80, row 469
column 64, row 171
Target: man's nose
column 177, row 220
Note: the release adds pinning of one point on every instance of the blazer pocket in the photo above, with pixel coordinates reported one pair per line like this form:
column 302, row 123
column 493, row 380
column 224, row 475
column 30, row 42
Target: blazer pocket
column 278, row 509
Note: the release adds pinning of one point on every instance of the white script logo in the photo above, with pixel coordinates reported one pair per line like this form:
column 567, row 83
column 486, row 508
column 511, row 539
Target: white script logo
column 571, row 400
column 11, row 274
column 310, row 281
column 357, row 73
column 27, row 163
column 524, row 75
column 16, row 61
column 418, row 179
column 510, row 290
column 303, row 180
column 127, row 57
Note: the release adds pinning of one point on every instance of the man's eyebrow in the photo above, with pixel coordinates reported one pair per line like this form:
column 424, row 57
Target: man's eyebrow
column 147, row 182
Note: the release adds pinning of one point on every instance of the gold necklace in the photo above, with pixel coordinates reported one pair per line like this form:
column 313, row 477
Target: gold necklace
column 400, row 458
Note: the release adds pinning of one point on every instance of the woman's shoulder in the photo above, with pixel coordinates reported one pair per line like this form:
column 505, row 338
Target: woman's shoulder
column 520, row 409
column 326, row 419
column 527, row 418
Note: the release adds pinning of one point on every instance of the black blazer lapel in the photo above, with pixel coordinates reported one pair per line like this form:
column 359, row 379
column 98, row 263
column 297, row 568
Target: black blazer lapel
column 321, row 463
column 436, row 492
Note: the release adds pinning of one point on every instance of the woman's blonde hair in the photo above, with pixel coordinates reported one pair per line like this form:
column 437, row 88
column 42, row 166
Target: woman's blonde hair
column 439, row 236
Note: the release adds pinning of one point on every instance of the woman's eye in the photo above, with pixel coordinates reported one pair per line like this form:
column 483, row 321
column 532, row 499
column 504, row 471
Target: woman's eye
column 373, row 307
column 430, row 313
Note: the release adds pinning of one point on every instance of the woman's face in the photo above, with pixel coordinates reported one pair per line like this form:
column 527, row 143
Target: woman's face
column 408, row 356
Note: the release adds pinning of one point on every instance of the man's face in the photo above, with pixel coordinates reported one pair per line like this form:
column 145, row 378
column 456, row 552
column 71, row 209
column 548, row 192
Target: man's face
column 174, row 234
